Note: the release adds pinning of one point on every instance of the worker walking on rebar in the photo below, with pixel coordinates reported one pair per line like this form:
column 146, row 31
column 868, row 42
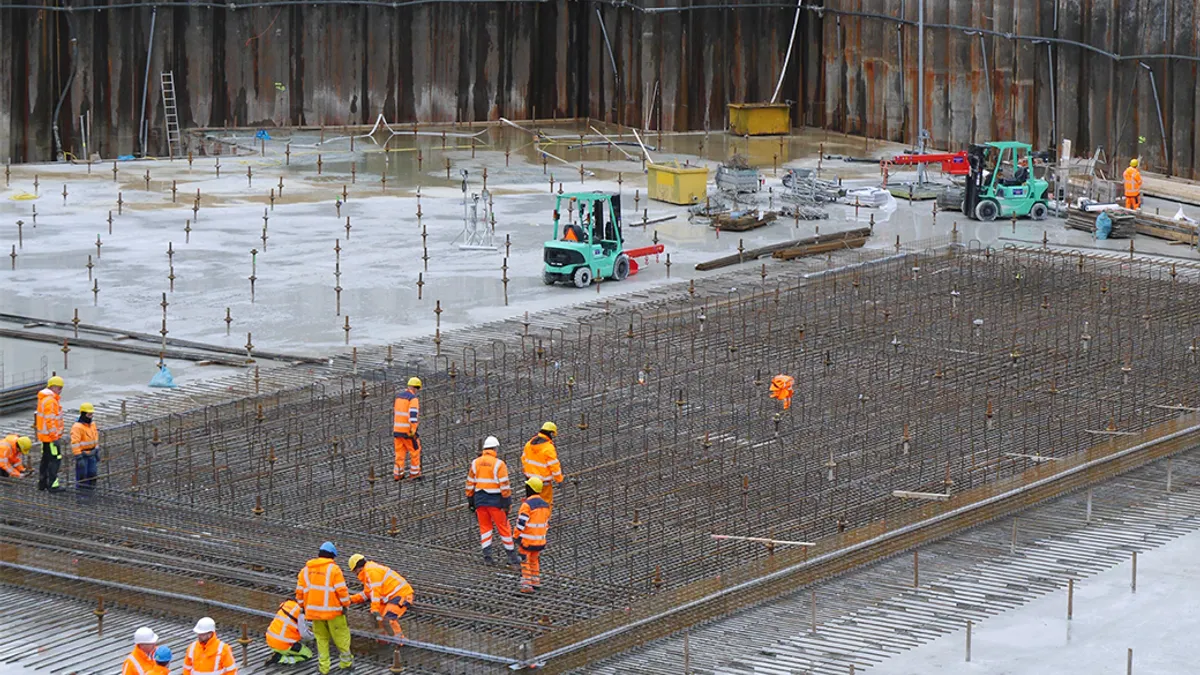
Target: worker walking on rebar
column 533, row 522
column 141, row 660
column 162, row 661
column 321, row 591
column 389, row 593
column 539, row 460
column 208, row 655
column 405, row 418
column 84, row 439
column 49, row 422
column 489, row 496
column 286, row 633
column 1133, row 186
column 12, row 455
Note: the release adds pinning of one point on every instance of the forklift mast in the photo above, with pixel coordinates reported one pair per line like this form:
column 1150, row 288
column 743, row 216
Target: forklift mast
column 976, row 160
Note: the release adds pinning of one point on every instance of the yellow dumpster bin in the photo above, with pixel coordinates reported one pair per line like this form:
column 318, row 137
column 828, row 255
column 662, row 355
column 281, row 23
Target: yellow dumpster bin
column 760, row 119
column 676, row 184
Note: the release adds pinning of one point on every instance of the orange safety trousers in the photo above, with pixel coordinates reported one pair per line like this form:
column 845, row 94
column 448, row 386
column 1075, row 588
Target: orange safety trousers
column 406, row 448
column 392, row 611
column 1133, row 202
column 489, row 517
column 531, row 569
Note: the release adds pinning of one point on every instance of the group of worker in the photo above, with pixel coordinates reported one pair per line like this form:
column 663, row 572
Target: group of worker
column 207, row 655
column 48, row 422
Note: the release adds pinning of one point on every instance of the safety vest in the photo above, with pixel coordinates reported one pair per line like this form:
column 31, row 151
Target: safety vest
column 49, row 417
column 488, row 474
column 10, row 456
column 138, row 663
column 1133, row 182
column 284, row 630
column 83, row 437
column 214, row 658
column 321, row 589
column 540, row 459
column 404, row 415
column 382, row 585
column 533, row 522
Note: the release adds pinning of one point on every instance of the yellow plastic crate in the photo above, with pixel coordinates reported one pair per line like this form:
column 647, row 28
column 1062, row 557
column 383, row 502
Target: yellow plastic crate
column 676, row 184
column 760, row 119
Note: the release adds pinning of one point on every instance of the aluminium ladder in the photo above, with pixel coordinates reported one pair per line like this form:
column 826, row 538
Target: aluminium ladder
column 171, row 114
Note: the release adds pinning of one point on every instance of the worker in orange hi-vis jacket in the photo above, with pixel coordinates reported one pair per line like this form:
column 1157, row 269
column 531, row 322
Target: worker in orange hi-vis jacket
column 405, row 417
column 489, row 495
column 1133, row 186
column 533, row 523
column 539, row 460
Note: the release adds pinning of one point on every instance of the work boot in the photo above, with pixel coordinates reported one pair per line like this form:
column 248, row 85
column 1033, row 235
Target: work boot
column 487, row 555
column 513, row 559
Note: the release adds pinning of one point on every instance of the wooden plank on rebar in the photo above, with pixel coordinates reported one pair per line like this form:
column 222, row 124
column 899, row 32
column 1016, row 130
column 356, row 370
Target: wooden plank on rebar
column 105, row 345
column 755, row 253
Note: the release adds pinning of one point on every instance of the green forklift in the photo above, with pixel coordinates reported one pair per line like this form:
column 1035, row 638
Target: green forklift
column 1001, row 184
column 590, row 245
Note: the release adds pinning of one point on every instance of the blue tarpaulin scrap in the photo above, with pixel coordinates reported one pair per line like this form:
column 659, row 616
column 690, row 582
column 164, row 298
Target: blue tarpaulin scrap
column 262, row 135
column 1103, row 225
column 163, row 378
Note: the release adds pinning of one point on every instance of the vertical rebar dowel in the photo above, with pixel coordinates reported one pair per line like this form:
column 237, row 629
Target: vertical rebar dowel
column 1129, row 662
column 1070, row 598
column 1133, row 575
column 812, row 602
column 1170, row 470
column 916, row 570
column 968, row 640
column 1014, row 536
column 1089, row 507
column 687, row 654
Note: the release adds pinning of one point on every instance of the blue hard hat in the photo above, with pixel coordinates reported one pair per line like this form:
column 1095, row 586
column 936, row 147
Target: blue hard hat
column 329, row 548
column 162, row 655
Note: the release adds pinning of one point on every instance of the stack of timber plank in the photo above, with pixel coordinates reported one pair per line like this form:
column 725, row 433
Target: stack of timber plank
column 1123, row 226
column 1165, row 228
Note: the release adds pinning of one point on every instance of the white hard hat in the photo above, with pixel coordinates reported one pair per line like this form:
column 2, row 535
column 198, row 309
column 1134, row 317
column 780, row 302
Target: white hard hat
column 205, row 625
column 144, row 636
column 491, row 442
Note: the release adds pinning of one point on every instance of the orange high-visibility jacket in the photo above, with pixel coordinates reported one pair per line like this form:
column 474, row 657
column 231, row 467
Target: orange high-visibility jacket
column 405, row 415
column 157, row 669
column 214, row 658
column 488, row 474
column 1133, row 182
column 321, row 590
column 138, row 663
column 284, row 630
column 84, row 437
column 10, row 457
column 533, row 522
column 540, row 459
column 382, row 585
column 49, row 417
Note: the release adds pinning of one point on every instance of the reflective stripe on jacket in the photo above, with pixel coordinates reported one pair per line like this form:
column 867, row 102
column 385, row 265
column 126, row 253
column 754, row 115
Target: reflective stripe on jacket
column 137, row 663
column 83, row 437
column 405, row 414
column 11, row 459
column 49, row 417
column 1133, row 182
column 488, row 480
column 321, row 590
column 533, row 522
column 382, row 585
column 540, row 459
column 284, row 630
column 214, row 658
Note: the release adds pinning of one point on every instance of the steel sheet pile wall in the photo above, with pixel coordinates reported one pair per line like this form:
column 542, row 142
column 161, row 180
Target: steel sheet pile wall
column 920, row 373
column 989, row 86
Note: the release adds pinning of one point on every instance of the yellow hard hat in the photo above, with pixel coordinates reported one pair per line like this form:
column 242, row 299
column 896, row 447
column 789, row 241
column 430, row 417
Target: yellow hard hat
column 1133, row 162
column 56, row 381
column 87, row 408
column 24, row 444
column 414, row 382
column 534, row 484
column 356, row 559
column 551, row 427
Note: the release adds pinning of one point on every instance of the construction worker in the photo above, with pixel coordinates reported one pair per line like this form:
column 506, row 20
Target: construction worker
column 141, row 660
column 489, row 496
column 84, row 438
column 1133, row 186
column 539, row 460
column 12, row 455
column 208, row 655
column 389, row 593
column 285, row 635
column 533, row 522
column 322, row 593
column 405, row 417
column 162, row 661
column 49, row 424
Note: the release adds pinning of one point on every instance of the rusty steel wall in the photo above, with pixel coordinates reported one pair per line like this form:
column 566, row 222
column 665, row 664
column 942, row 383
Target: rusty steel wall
column 996, row 88
column 676, row 68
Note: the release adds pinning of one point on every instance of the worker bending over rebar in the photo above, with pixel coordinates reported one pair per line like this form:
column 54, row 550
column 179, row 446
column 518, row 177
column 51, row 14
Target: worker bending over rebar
column 389, row 593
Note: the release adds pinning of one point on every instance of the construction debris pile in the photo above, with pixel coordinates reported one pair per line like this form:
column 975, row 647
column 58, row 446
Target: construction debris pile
column 928, row 373
column 1124, row 225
